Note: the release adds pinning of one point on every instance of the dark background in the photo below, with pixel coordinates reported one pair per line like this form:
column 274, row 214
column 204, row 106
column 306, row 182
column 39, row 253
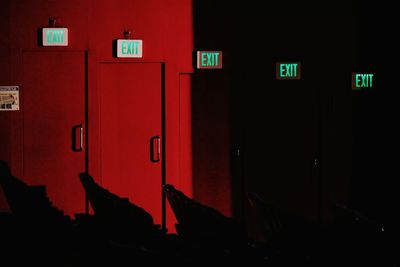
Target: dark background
column 353, row 134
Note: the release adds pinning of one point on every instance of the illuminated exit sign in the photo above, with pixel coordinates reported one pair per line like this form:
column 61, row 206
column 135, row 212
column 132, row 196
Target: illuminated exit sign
column 288, row 70
column 55, row 36
column 360, row 80
column 209, row 59
column 129, row 48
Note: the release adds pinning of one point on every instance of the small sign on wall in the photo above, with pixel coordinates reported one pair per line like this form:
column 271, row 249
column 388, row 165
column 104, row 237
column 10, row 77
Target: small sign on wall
column 9, row 98
column 362, row 80
column 288, row 70
column 55, row 36
column 209, row 59
column 127, row 48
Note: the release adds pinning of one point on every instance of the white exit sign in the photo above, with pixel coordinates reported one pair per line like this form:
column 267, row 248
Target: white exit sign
column 129, row 48
column 55, row 36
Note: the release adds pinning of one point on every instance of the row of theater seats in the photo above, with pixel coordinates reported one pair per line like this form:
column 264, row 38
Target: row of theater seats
column 120, row 232
column 30, row 201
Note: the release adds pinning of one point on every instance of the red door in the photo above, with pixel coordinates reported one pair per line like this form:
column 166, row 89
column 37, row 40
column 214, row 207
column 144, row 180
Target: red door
column 53, row 106
column 130, row 132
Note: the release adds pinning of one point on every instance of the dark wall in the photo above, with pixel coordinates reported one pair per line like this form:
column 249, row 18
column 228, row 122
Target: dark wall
column 211, row 116
column 275, row 123
column 374, row 188
column 242, row 110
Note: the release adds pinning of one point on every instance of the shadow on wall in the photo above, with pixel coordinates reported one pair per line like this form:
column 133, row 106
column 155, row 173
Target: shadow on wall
column 211, row 129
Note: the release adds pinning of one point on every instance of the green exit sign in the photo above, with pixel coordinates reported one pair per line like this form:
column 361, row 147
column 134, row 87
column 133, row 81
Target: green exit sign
column 209, row 59
column 128, row 48
column 55, row 36
column 288, row 70
column 362, row 80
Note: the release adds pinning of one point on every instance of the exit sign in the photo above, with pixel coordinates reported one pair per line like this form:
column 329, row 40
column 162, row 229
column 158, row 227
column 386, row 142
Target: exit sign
column 55, row 36
column 288, row 70
column 129, row 48
column 362, row 80
column 209, row 59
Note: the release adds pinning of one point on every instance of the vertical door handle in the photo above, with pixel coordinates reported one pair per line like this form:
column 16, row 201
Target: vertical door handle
column 77, row 138
column 155, row 148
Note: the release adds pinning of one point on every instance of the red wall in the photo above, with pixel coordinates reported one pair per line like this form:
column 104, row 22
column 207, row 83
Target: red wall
column 166, row 30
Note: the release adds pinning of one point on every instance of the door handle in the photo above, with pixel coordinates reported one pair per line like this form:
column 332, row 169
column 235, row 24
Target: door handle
column 77, row 138
column 155, row 149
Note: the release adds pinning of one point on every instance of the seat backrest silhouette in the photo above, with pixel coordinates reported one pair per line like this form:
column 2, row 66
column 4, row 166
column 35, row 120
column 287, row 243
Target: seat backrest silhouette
column 270, row 218
column 30, row 202
column 113, row 209
column 355, row 221
column 200, row 222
